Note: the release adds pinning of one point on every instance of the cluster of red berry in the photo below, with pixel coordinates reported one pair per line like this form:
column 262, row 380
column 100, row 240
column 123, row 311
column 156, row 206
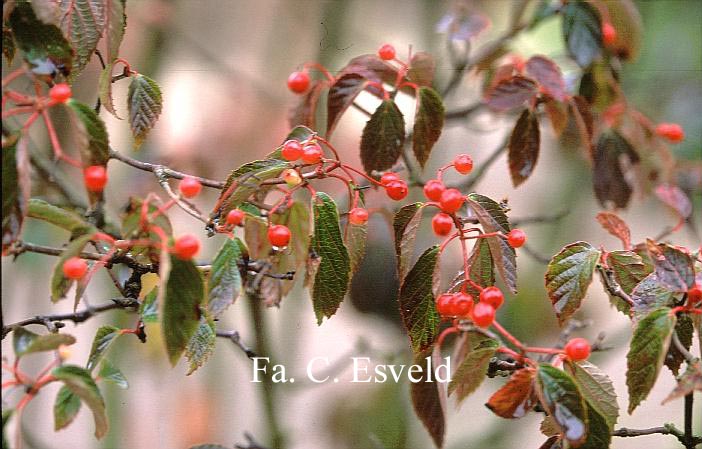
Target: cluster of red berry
column 462, row 305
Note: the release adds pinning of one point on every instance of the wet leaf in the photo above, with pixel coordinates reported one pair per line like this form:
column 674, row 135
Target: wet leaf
column 80, row 383
column 416, row 299
column 582, row 32
column 523, row 147
column 472, row 370
column 515, row 398
column 428, row 123
column 341, row 96
column 383, row 137
column 511, row 93
column 561, row 398
column 145, row 103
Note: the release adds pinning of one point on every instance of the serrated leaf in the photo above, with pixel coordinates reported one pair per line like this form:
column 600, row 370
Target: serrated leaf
column 561, row 399
column 675, row 198
column 111, row 373
column 383, row 137
column 183, row 293
column 297, row 218
column 80, row 383
column 628, row 268
column 684, row 330
column 650, row 294
column 341, row 96
column 201, row 344
column 511, row 93
column 405, row 224
column 568, row 276
column 615, row 226
column 332, row 276
column 115, row 23
column 66, row 408
column 64, row 219
column 428, row 399
column 548, row 75
column 688, row 382
column 421, row 69
column 524, row 144
column 104, row 337
column 494, row 219
column 472, row 370
column 82, row 22
column 26, row 342
column 145, row 104
column 599, row 433
column 672, row 266
column 515, row 398
column 597, row 389
column 224, row 279
column 428, row 123
column 647, row 351
column 355, row 239
column 105, row 90
column 305, row 111
column 608, row 173
column 482, row 270
column 148, row 309
column 92, row 139
column 582, row 32
column 59, row 283
column 15, row 189
column 416, row 300
column 43, row 45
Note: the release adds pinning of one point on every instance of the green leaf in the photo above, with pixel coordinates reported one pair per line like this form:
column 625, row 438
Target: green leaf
column 59, row 283
column 44, row 47
column 568, row 276
column 473, row 368
column 492, row 218
column 305, row 112
column 383, row 137
column 145, row 103
column 341, row 96
column 148, row 309
column 26, row 342
column 524, row 146
column 355, row 238
column 429, row 399
column 15, row 189
column 104, row 337
column 599, row 432
column 582, row 32
column 609, row 181
column 597, row 389
column 517, row 397
column 115, row 23
column 92, row 139
column 132, row 229
column 672, row 266
column 64, row 219
column 416, row 299
column 8, row 44
column 66, row 408
column 105, row 90
column 561, row 399
column 224, row 279
column 82, row 22
column 628, row 269
column 482, row 270
column 650, row 294
column 297, row 218
column 428, row 123
column 548, row 75
column 684, row 330
column 332, row 278
column 405, row 224
column 180, row 314
column 511, row 93
column 111, row 373
column 421, row 69
column 201, row 344
column 649, row 346
column 79, row 382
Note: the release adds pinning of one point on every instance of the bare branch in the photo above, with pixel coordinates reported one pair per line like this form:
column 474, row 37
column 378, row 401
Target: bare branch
column 234, row 337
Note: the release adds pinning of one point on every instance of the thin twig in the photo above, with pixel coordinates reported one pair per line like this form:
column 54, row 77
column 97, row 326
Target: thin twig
column 234, row 337
column 189, row 208
column 480, row 171
column 689, row 357
column 689, row 441
column 612, row 286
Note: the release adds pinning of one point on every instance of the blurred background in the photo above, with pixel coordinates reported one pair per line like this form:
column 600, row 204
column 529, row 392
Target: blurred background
column 222, row 67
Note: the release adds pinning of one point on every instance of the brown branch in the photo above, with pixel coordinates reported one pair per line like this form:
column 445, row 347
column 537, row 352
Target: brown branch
column 188, row 207
column 612, row 286
column 689, row 441
column 234, row 337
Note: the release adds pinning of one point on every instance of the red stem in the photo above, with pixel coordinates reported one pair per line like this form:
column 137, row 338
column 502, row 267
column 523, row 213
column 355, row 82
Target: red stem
column 511, row 338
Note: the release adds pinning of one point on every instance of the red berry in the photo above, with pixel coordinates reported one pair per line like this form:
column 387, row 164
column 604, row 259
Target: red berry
column 451, row 200
column 279, row 235
column 358, row 216
column 492, row 296
column 386, row 52
column 609, row 34
column 433, row 189
column 577, row 349
column 95, row 178
column 442, row 224
column 463, row 164
column 312, row 153
column 75, row 268
column 483, row 314
column 186, row 246
column 292, row 150
column 671, row 131
column 388, row 177
column 694, row 295
column 60, row 92
column 298, row 82
column 189, row 187
column 445, row 304
column 464, row 304
column 516, row 238
column 396, row 190
column 235, row 217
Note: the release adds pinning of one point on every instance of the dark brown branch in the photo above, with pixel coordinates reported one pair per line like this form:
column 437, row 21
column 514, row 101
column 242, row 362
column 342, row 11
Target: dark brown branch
column 234, row 337
column 668, row 429
column 188, row 207
column 612, row 286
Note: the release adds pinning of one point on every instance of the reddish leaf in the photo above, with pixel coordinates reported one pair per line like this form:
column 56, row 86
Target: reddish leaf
column 524, row 147
column 372, row 68
column 673, row 267
column 511, row 93
column 428, row 123
column 341, row 96
column 383, row 137
column 558, row 114
column 611, row 187
column 582, row 115
column 429, row 398
column 306, row 109
column 674, row 197
column 615, row 226
column 421, row 69
column 548, row 75
column 516, row 397
column 690, row 381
